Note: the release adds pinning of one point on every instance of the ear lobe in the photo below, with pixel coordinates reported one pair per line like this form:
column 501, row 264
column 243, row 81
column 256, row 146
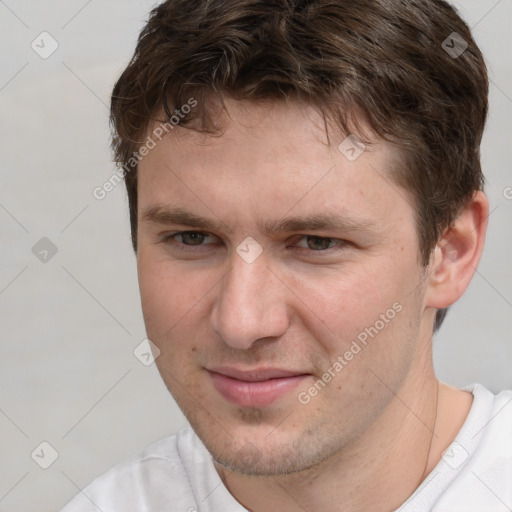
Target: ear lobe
column 457, row 253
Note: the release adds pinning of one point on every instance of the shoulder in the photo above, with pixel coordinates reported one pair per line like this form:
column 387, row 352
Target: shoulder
column 493, row 457
column 149, row 480
column 492, row 416
column 482, row 456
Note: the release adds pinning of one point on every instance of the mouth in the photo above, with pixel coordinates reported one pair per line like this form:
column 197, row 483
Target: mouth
column 254, row 388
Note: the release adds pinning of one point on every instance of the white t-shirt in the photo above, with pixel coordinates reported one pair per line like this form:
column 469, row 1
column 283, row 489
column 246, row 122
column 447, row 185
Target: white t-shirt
column 177, row 472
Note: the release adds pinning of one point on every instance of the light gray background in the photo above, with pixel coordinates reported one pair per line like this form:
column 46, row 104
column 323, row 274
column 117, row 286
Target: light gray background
column 68, row 375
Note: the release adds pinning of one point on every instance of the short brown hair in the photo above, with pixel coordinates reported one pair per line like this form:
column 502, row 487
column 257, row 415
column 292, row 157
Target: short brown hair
column 401, row 65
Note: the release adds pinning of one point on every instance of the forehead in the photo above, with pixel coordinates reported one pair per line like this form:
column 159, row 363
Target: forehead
column 269, row 156
column 236, row 120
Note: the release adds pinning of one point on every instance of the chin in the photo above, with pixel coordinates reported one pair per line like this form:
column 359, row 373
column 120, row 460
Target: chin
column 267, row 459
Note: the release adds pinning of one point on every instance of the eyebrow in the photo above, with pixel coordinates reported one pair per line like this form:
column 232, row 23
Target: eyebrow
column 322, row 221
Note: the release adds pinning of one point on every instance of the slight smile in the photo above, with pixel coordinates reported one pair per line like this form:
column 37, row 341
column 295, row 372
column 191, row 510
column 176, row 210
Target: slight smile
column 254, row 388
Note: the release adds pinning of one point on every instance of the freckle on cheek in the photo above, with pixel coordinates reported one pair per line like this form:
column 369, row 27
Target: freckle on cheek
column 194, row 349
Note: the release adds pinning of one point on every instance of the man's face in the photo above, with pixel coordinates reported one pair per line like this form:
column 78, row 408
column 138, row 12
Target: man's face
column 279, row 359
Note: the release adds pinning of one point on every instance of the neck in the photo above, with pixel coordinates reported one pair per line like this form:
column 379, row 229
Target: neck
column 380, row 470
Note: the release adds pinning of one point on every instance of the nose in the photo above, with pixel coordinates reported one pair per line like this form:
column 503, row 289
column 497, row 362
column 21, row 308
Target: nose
column 250, row 305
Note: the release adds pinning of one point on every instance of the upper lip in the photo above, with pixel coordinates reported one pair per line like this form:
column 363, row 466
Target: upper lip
column 255, row 375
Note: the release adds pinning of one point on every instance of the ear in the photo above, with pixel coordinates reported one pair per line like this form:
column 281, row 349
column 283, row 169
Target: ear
column 455, row 258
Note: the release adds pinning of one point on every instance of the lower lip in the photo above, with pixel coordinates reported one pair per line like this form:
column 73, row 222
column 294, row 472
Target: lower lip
column 254, row 394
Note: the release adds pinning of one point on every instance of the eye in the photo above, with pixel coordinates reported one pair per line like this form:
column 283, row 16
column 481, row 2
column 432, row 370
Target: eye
column 319, row 244
column 187, row 238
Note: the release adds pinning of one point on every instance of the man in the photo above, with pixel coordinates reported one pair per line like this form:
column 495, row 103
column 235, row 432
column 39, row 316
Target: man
column 306, row 202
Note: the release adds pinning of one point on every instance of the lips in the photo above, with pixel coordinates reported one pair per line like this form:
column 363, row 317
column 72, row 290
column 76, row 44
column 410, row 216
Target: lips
column 254, row 388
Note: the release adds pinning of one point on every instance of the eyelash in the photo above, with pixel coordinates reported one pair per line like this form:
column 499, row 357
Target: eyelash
column 170, row 239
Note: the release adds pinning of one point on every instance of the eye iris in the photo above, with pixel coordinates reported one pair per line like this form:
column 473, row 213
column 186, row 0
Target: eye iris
column 318, row 242
column 195, row 237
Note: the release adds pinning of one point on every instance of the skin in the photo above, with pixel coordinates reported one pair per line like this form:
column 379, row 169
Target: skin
column 373, row 433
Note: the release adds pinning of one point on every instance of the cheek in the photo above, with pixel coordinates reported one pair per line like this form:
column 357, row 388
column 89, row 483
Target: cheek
column 170, row 295
column 340, row 304
column 173, row 305
column 369, row 314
